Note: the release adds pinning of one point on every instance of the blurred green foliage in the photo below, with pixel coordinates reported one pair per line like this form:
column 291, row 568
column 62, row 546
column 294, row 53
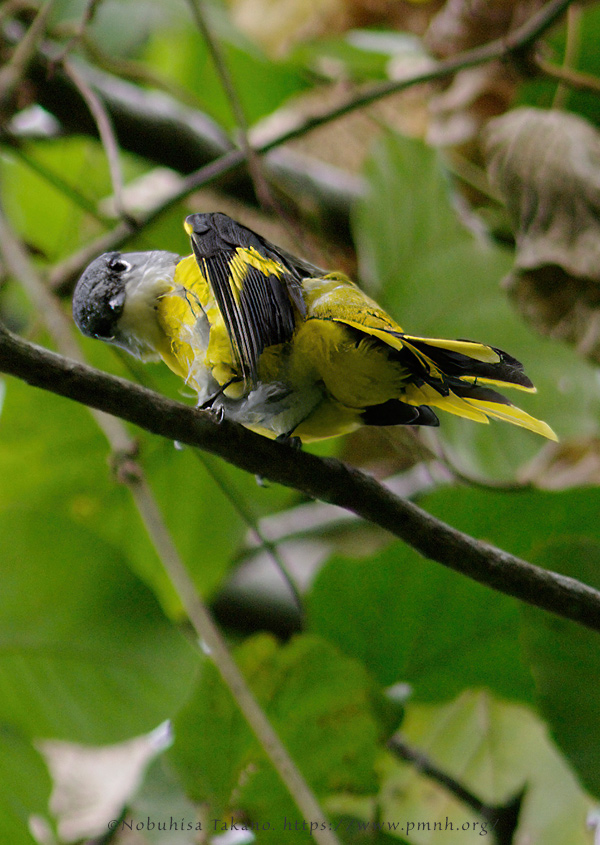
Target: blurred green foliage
column 94, row 648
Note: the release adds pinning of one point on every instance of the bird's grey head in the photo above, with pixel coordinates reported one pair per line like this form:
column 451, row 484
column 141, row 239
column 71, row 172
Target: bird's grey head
column 111, row 280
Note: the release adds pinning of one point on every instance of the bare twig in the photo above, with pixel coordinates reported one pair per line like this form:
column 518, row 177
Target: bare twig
column 572, row 47
column 105, row 130
column 199, row 615
column 140, row 374
column 568, row 77
column 206, row 629
column 15, row 69
column 320, row 478
column 514, row 42
column 254, row 164
column 78, row 31
column 245, row 513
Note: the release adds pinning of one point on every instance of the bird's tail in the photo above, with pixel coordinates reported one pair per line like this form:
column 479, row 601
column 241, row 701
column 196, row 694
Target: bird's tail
column 459, row 376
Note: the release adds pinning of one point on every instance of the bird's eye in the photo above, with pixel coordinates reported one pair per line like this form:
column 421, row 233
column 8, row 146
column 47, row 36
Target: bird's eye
column 118, row 265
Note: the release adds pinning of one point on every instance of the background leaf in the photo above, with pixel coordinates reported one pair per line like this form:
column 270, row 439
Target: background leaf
column 320, row 704
column 26, row 787
column 86, row 655
column 565, row 661
column 496, row 750
column 413, row 621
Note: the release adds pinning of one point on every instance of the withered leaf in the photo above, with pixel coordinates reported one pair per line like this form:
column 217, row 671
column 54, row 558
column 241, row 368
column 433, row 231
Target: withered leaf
column 546, row 166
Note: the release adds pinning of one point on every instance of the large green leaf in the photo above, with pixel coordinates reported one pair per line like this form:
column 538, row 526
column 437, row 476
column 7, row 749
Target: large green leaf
column 44, row 214
column 85, row 651
column 25, row 788
column 261, row 85
column 319, row 702
column 495, row 750
column 520, row 522
column 413, row 621
column 565, row 661
column 62, row 465
column 439, row 279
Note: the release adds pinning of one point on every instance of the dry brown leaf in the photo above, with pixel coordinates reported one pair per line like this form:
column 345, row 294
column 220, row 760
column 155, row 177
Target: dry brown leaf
column 546, row 166
column 277, row 25
column 463, row 24
column 475, row 94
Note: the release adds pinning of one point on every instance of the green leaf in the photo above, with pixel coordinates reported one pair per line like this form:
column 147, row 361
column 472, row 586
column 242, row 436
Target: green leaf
column 161, row 801
column 25, row 788
column 260, row 85
column 85, row 652
column 44, row 215
column 565, row 661
column 320, row 704
column 495, row 750
column 413, row 621
column 438, row 279
column 521, row 522
column 62, row 465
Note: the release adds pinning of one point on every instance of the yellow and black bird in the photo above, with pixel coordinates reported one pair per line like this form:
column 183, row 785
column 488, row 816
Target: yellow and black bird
column 283, row 347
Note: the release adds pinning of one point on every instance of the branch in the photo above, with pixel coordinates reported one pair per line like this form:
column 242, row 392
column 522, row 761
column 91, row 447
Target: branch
column 515, row 42
column 325, row 479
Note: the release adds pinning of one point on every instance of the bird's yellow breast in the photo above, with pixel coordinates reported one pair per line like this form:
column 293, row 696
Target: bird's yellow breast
column 196, row 339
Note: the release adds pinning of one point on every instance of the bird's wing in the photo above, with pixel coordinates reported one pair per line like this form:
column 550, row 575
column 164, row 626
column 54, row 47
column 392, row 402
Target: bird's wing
column 257, row 288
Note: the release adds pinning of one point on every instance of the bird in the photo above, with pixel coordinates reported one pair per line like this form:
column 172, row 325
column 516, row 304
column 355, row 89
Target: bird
column 285, row 348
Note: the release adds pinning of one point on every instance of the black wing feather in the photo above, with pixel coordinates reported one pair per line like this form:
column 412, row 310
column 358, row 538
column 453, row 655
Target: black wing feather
column 263, row 312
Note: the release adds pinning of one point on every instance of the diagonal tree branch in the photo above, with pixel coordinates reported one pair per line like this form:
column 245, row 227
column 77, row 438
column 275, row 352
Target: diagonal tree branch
column 325, row 479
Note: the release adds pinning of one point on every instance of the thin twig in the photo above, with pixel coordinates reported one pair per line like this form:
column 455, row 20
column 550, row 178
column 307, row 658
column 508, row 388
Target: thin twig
column 268, row 546
column 568, row 77
column 320, row 478
column 572, row 45
column 261, row 186
column 501, row 48
column 208, row 632
column 423, row 764
column 14, row 70
column 78, row 32
column 199, row 615
column 105, row 130
column 245, row 513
